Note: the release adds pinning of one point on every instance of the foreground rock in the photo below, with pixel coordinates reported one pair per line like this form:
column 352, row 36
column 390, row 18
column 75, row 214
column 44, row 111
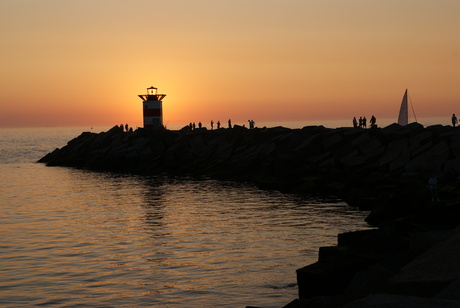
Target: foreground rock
column 377, row 268
column 409, row 257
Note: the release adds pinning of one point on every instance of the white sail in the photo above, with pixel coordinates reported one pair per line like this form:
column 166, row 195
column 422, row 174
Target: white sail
column 403, row 118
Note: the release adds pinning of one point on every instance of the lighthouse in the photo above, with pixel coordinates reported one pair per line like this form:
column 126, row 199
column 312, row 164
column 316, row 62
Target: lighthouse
column 152, row 106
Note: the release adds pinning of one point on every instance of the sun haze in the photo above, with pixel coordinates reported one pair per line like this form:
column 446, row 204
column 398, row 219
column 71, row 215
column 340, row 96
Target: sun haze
column 84, row 62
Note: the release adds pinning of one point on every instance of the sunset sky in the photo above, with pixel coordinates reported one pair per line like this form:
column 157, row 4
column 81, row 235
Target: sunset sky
column 83, row 62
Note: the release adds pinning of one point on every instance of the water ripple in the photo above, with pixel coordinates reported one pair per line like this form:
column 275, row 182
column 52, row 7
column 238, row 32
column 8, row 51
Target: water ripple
column 76, row 238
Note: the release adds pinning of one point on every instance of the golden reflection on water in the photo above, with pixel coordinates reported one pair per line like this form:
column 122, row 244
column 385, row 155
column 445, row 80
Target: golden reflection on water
column 76, row 237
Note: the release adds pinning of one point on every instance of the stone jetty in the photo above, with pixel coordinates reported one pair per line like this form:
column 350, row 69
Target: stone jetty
column 411, row 256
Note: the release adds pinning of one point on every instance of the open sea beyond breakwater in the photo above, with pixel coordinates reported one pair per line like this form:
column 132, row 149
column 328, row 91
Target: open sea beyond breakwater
column 79, row 238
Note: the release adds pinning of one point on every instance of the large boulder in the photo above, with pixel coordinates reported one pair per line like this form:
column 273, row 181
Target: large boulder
column 431, row 272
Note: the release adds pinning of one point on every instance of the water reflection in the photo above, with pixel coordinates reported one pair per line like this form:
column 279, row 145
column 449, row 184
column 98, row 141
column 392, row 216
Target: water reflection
column 102, row 239
column 154, row 202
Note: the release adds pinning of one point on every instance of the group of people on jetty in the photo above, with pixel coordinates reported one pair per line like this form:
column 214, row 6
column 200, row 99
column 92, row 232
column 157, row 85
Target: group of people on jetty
column 362, row 122
column 126, row 128
column 193, row 126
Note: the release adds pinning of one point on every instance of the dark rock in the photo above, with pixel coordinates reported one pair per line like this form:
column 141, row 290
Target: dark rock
column 400, row 301
column 328, row 277
column 431, row 272
column 451, row 292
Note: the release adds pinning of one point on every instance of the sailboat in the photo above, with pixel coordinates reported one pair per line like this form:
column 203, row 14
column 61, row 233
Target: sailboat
column 403, row 118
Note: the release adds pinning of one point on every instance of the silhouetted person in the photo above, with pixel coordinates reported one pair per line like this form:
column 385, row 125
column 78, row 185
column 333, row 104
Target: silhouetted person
column 373, row 121
column 212, row 124
column 199, row 124
column 433, row 184
column 229, row 123
column 361, row 122
column 126, row 127
column 355, row 122
column 218, row 124
column 193, row 126
column 454, row 120
column 364, row 122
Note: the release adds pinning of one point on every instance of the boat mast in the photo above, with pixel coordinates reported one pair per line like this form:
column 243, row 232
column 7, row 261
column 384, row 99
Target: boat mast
column 413, row 111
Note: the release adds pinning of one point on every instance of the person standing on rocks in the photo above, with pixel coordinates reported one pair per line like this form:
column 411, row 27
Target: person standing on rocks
column 218, row 124
column 454, row 120
column 355, row 122
column 373, row 121
column 433, row 184
column 229, row 123
column 212, row 124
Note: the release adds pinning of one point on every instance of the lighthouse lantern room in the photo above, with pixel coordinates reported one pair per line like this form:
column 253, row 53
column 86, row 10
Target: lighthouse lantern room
column 152, row 108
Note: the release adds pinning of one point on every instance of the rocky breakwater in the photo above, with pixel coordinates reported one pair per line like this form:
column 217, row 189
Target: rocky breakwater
column 383, row 170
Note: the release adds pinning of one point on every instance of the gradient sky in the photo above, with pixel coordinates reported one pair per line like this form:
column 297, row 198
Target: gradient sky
column 83, row 62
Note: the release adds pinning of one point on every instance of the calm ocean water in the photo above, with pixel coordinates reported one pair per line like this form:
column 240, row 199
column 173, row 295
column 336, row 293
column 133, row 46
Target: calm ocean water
column 75, row 238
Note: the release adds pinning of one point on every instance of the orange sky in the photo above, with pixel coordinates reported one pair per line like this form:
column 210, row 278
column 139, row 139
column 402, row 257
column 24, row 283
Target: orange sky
column 84, row 62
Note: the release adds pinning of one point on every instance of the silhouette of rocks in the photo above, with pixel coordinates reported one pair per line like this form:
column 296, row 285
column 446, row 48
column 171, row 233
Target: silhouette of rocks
column 410, row 256
column 401, row 267
column 366, row 167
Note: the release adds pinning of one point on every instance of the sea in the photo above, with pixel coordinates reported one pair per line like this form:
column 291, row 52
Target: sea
column 79, row 238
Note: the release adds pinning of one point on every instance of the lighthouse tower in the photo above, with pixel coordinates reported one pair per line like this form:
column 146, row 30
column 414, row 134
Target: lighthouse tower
column 152, row 106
